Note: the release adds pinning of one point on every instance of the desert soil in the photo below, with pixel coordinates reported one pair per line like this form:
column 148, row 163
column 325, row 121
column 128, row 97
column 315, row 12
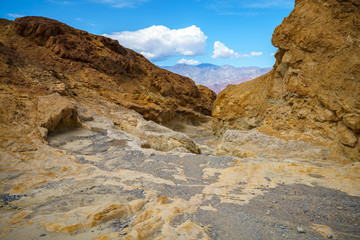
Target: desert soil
column 185, row 196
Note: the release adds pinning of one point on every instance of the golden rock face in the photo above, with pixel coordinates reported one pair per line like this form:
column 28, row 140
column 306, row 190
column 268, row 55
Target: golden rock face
column 314, row 83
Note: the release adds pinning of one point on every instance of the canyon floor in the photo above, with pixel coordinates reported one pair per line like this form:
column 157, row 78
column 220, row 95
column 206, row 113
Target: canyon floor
column 110, row 188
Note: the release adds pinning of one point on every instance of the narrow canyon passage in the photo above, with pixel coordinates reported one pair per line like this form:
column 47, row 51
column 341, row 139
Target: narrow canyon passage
column 117, row 191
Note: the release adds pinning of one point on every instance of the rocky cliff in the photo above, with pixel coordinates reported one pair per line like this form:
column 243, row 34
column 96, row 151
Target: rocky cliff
column 49, row 56
column 313, row 91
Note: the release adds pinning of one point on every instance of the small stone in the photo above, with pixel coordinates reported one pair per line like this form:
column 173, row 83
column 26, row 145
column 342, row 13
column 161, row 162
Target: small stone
column 43, row 235
column 14, row 207
column 123, row 233
column 268, row 179
column 283, row 235
column 329, row 235
column 300, row 230
column 340, row 208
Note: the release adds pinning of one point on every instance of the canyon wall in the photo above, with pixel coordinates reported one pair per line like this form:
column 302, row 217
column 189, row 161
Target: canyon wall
column 313, row 91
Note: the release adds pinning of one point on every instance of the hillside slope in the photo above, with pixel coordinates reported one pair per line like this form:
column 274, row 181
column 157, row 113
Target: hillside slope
column 43, row 55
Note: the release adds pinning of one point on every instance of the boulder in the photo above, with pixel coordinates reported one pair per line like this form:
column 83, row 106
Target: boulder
column 347, row 136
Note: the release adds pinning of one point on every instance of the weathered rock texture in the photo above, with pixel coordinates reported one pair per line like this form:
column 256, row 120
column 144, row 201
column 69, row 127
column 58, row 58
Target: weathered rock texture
column 44, row 56
column 313, row 90
column 48, row 68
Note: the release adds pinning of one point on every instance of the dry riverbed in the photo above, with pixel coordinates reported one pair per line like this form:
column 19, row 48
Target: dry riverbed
column 100, row 184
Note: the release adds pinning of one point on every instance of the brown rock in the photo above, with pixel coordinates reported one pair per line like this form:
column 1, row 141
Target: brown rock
column 347, row 137
column 48, row 56
column 314, row 81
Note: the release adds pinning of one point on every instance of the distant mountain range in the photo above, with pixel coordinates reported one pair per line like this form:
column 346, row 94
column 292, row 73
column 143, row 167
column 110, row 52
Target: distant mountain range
column 217, row 77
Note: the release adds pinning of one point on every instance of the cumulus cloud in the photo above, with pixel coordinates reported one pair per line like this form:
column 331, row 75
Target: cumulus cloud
column 14, row 15
column 160, row 42
column 221, row 51
column 189, row 62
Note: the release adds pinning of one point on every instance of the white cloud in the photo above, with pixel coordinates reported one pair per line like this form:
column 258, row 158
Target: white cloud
column 188, row 62
column 272, row 54
column 160, row 42
column 14, row 15
column 221, row 51
column 123, row 3
column 254, row 54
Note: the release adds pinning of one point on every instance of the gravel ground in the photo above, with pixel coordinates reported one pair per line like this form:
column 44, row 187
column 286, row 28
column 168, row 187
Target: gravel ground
column 286, row 211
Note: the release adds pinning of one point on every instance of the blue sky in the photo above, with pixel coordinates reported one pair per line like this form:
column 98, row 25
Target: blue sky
column 233, row 32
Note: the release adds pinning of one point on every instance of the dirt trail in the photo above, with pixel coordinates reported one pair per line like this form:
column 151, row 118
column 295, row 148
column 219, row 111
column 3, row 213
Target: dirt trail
column 116, row 190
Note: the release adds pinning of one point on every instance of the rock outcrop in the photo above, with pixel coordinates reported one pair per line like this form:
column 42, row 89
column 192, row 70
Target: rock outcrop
column 49, row 56
column 313, row 91
column 48, row 70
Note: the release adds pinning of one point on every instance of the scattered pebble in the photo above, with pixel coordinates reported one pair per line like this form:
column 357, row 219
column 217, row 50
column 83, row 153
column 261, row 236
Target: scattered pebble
column 329, row 235
column 9, row 198
column 268, row 179
column 300, row 230
column 43, row 235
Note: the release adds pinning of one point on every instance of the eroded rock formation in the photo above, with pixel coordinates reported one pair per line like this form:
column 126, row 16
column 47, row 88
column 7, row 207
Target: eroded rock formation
column 313, row 91
column 45, row 56
column 76, row 164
